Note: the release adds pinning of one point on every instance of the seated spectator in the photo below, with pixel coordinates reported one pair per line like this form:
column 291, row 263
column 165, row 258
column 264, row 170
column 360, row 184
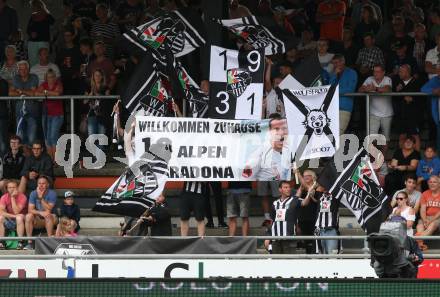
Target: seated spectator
column 325, row 57
column 37, row 164
column 405, row 161
column 399, row 34
column 381, row 108
column 41, row 68
column 12, row 212
column 13, row 161
column 432, row 61
column 428, row 166
column 368, row 23
column 347, row 79
column 41, row 210
column 4, row 116
column 398, row 58
column 409, row 113
column 96, row 117
column 70, row 210
column 104, row 64
column 410, row 190
column 27, row 112
column 66, row 228
column 192, row 200
column 38, row 29
column 53, row 113
column 429, row 211
column 9, row 68
column 105, row 30
column 68, row 59
column 369, row 56
column 331, row 16
column 237, row 205
column 284, row 216
column 307, row 45
column 404, row 210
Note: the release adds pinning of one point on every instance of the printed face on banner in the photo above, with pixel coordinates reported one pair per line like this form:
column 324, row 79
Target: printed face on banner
column 236, row 83
column 313, row 120
column 228, row 150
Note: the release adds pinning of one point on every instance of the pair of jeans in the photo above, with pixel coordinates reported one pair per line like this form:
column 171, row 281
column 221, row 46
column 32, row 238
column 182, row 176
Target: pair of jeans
column 329, row 246
column 51, row 128
column 27, row 128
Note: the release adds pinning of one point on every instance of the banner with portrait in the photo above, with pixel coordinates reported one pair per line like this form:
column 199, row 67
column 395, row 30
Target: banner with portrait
column 211, row 149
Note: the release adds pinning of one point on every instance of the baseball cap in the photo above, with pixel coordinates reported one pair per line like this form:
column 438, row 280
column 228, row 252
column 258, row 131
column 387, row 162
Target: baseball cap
column 68, row 194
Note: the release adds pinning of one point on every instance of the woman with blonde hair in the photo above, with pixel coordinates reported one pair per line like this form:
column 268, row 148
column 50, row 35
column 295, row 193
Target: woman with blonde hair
column 66, row 228
column 38, row 29
column 9, row 69
column 404, row 210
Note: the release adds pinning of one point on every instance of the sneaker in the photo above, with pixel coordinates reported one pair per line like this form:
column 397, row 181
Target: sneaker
column 223, row 225
column 20, row 245
column 29, row 246
column 209, row 225
column 266, row 223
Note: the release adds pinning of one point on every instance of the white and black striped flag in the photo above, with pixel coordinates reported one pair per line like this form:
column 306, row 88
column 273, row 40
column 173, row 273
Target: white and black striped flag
column 198, row 101
column 358, row 189
column 136, row 189
column 180, row 30
column 236, row 83
column 259, row 32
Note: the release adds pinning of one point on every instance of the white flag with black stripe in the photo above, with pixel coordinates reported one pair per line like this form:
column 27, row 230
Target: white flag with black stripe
column 236, row 83
column 180, row 31
column 260, row 33
column 313, row 120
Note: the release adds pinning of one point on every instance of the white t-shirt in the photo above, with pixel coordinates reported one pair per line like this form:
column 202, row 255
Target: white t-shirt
column 267, row 164
column 40, row 71
column 380, row 106
column 432, row 56
column 274, row 105
column 325, row 62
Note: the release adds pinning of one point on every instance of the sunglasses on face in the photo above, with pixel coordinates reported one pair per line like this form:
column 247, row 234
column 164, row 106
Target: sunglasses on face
column 400, row 198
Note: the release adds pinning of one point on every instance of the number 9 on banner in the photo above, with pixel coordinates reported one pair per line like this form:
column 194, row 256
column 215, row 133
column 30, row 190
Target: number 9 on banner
column 254, row 59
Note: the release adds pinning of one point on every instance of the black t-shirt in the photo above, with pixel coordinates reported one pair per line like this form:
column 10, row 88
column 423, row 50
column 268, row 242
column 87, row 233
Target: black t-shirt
column 401, row 160
column 68, row 60
column 310, row 211
column 40, row 28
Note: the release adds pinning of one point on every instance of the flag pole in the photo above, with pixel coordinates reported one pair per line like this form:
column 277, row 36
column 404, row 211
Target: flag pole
column 296, row 173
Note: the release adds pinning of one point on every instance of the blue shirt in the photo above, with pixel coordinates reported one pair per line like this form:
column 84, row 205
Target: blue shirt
column 425, row 166
column 32, row 107
column 347, row 84
column 50, row 197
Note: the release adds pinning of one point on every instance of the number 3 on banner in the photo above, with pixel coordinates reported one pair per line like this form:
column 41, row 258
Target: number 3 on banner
column 223, row 101
column 254, row 61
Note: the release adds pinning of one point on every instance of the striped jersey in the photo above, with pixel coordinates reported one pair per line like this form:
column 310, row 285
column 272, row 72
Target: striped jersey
column 284, row 216
column 328, row 216
column 195, row 187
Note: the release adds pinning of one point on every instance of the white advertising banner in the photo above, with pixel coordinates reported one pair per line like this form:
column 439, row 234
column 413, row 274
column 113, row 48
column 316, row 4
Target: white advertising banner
column 211, row 149
column 252, row 268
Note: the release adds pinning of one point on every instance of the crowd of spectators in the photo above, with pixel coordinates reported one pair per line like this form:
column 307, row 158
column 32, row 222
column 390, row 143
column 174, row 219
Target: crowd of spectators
column 365, row 45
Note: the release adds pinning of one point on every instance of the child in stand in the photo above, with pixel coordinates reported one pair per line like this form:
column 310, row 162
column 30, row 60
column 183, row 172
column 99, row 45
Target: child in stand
column 70, row 210
column 428, row 166
column 66, row 228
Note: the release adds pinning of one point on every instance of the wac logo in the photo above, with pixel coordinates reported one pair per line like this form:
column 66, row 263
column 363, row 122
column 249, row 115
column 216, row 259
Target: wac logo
column 362, row 189
column 166, row 29
column 253, row 34
column 237, row 81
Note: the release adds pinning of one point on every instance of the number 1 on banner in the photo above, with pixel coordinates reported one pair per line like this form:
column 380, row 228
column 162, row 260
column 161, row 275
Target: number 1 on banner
column 252, row 98
column 225, row 61
column 147, row 142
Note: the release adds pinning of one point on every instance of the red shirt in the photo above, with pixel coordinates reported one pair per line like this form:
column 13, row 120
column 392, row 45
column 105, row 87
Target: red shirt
column 53, row 107
column 332, row 29
column 21, row 201
column 432, row 203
